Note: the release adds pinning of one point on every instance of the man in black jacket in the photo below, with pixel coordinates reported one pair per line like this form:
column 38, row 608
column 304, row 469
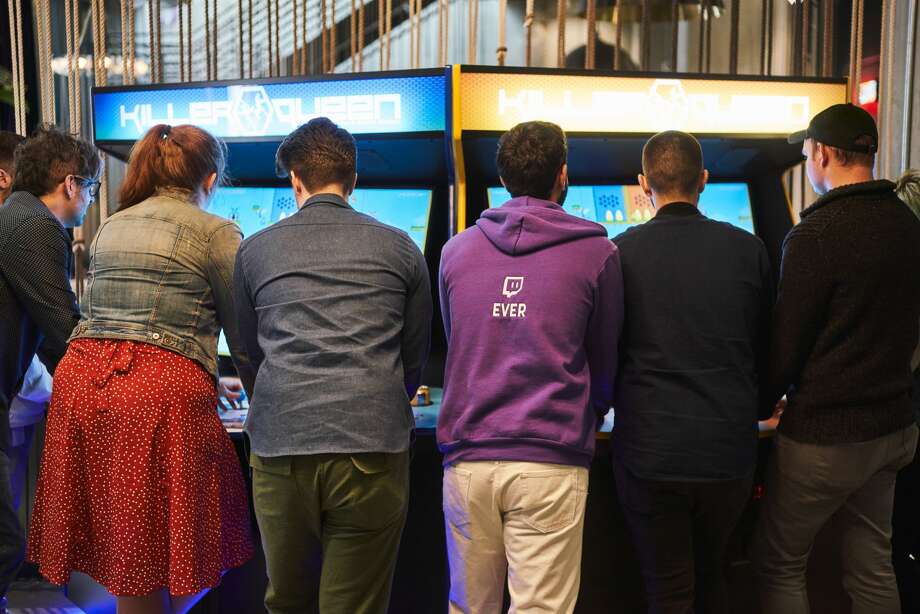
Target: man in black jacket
column 698, row 297
column 845, row 326
column 56, row 179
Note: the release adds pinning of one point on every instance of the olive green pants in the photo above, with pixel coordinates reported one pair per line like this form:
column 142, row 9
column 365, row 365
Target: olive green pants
column 330, row 526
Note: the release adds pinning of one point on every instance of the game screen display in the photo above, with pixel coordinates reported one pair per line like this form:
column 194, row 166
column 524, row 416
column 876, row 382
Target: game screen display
column 257, row 208
column 619, row 207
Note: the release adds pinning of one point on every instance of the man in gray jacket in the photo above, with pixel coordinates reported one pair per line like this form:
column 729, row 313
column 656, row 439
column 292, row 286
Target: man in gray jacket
column 335, row 311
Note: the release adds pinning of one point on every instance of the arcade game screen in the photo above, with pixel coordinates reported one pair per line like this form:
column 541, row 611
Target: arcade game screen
column 257, row 208
column 619, row 207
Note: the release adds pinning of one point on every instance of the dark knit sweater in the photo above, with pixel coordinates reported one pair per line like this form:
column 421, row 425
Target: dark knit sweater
column 845, row 322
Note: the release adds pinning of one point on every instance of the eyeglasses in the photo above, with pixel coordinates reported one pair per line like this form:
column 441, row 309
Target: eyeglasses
column 93, row 184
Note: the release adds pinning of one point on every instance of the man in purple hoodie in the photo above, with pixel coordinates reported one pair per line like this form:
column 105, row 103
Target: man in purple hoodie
column 532, row 300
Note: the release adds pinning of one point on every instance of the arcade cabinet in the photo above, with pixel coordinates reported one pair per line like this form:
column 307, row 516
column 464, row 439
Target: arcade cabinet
column 742, row 124
column 399, row 121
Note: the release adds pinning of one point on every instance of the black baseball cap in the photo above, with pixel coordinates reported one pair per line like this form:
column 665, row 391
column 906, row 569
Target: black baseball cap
column 841, row 125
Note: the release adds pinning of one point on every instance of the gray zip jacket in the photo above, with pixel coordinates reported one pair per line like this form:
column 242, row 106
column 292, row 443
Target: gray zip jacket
column 161, row 272
column 335, row 311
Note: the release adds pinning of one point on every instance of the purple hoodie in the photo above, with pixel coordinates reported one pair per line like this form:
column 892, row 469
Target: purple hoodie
column 532, row 301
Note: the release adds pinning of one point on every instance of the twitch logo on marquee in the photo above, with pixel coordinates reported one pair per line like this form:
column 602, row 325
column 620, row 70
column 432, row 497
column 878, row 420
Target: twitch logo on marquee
column 250, row 111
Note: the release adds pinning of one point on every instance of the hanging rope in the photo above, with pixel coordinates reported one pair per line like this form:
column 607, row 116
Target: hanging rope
column 250, row 45
column 207, row 39
column 447, row 31
column 702, row 37
column 15, row 10
column 827, row 7
column 418, row 35
column 889, row 53
column 674, row 33
column 239, row 14
column 440, row 33
column 124, row 42
column 591, row 18
column 182, row 43
column 158, row 57
column 733, row 50
column 472, row 30
column 389, row 23
column 411, row 22
column 277, row 40
column 100, row 78
column 708, row 36
column 806, row 36
column 188, row 40
column 381, row 31
column 859, row 43
column 763, row 37
column 68, row 35
column 268, row 33
column 303, row 32
column 560, row 41
column 295, row 56
column 353, row 35
column 78, row 90
column 98, row 54
column 645, row 41
column 132, row 74
column 770, row 41
column 528, row 32
column 324, row 36
column 151, row 36
column 45, row 93
column 214, row 40
column 360, row 35
column 619, row 36
column 502, row 50
column 332, row 44
column 22, row 128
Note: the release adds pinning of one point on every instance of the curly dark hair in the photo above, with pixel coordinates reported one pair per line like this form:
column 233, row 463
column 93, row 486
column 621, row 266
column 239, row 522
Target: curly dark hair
column 319, row 153
column 8, row 143
column 529, row 158
column 48, row 156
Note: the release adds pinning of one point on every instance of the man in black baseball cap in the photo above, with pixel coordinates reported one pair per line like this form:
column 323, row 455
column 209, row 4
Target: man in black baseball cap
column 844, row 330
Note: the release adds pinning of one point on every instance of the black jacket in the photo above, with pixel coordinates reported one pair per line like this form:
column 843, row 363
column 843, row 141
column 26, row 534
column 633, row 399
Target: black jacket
column 694, row 345
column 37, row 305
column 845, row 322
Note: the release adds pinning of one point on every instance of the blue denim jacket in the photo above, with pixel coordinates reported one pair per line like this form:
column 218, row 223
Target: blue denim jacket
column 161, row 272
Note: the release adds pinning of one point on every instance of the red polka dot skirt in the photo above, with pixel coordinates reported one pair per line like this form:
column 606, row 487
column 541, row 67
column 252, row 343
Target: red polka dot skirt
column 140, row 486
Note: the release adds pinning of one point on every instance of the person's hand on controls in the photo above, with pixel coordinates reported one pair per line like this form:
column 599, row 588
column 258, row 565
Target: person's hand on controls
column 229, row 392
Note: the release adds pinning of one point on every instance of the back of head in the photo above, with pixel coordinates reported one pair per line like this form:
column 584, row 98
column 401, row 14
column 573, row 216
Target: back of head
column 529, row 158
column 320, row 154
column 181, row 157
column 8, row 143
column 672, row 163
column 46, row 158
column 908, row 190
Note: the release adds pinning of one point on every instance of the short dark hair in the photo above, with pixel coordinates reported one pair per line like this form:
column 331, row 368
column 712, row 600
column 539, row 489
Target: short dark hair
column 8, row 143
column 319, row 153
column 855, row 158
column 48, row 156
column 529, row 158
column 672, row 162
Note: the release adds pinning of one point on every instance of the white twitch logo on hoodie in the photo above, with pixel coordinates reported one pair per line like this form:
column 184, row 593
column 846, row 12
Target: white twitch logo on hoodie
column 511, row 287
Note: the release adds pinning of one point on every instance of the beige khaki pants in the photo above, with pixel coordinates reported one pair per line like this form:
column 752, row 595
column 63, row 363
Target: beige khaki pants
column 525, row 519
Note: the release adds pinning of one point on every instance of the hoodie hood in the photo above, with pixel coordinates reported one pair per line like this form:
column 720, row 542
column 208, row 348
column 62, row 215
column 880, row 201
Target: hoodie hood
column 526, row 224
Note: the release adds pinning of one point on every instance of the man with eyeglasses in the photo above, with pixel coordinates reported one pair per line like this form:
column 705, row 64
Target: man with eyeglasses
column 56, row 179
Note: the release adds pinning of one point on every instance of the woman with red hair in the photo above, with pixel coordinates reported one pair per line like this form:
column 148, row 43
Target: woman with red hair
column 140, row 486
